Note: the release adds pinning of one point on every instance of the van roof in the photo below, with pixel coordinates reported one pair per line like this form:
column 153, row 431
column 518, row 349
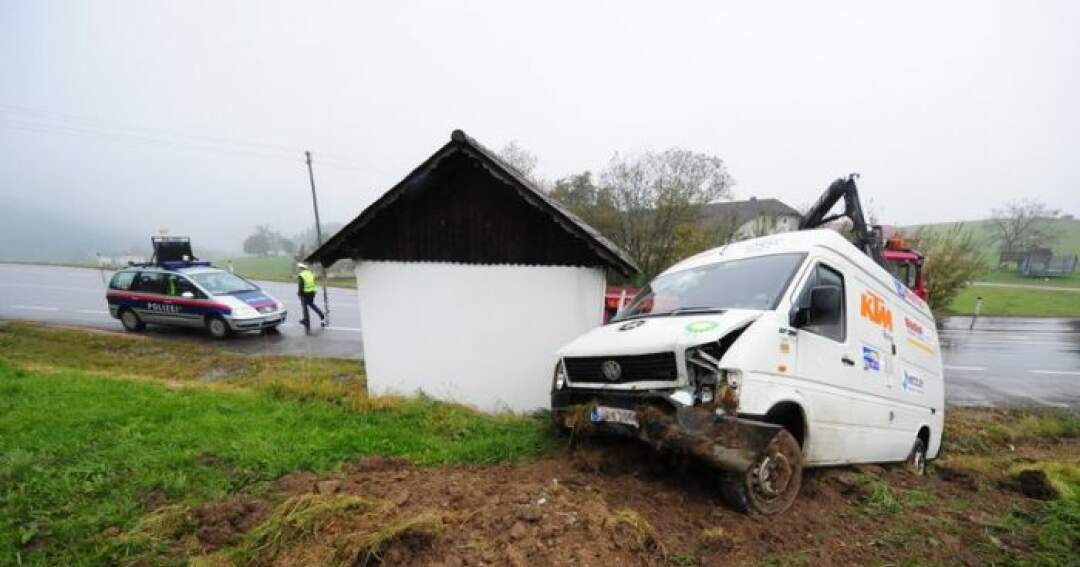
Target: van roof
column 801, row 241
column 785, row 242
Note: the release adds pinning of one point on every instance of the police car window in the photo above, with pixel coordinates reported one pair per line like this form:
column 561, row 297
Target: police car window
column 826, row 276
column 122, row 280
column 150, row 282
column 222, row 283
column 177, row 285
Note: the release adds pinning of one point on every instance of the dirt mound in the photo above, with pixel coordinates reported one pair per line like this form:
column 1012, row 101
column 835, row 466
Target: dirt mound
column 610, row 503
column 225, row 523
column 1035, row 484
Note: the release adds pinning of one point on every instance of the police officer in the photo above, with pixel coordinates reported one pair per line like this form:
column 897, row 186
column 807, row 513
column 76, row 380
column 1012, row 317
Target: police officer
column 306, row 291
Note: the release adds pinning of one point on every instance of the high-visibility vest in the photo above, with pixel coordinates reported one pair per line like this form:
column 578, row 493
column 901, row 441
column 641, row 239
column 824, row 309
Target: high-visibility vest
column 309, row 281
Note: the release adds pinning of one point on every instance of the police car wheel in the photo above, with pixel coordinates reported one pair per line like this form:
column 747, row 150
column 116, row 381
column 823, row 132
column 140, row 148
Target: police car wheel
column 272, row 330
column 217, row 327
column 131, row 321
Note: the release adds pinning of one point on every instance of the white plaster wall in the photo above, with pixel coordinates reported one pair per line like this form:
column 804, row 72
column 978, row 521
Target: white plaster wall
column 481, row 335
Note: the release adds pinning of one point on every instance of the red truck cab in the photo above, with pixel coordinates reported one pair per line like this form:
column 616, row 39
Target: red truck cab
column 906, row 265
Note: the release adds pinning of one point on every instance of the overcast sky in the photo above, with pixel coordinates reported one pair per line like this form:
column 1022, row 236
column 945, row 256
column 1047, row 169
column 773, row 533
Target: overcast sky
column 193, row 116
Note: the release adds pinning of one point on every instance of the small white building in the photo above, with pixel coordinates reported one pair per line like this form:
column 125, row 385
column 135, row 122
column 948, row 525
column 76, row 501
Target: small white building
column 469, row 278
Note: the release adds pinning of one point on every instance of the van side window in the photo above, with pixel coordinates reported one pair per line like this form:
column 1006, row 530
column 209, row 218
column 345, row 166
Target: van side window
column 833, row 327
column 122, row 280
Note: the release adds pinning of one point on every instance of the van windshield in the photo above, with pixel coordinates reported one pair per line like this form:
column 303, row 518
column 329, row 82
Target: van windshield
column 750, row 283
column 222, row 283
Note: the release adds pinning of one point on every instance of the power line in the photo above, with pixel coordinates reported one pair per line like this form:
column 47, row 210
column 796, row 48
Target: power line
column 57, row 123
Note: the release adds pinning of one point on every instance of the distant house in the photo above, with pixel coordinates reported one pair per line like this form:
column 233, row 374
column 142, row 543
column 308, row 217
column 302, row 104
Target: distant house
column 738, row 220
column 470, row 278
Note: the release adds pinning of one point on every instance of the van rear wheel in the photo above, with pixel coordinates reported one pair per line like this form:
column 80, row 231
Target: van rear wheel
column 917, row 460
column 772, row 483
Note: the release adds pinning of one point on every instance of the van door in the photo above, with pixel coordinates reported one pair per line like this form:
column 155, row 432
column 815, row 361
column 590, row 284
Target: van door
column 828, row 368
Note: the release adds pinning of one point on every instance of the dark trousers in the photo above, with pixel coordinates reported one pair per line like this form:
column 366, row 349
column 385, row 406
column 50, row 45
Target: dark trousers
column 308, row 300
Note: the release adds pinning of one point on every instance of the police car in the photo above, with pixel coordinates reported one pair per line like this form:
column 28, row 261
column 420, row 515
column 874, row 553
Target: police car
column 174, row 289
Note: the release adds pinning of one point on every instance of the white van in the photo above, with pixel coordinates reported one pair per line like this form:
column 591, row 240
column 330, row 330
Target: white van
column 762, row 357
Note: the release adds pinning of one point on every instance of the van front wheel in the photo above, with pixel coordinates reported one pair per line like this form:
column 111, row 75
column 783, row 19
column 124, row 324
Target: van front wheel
column 772, row 483
column 917, row 460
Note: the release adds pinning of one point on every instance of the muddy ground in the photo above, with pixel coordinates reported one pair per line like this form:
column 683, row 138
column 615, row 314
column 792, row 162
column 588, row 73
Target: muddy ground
column 606, row 503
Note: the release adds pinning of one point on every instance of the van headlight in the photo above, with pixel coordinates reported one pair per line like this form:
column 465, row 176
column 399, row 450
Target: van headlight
column 559, row 380
column 728, row 390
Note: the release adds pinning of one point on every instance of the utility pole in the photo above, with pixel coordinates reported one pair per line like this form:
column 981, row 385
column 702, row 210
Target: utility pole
column 318, row 232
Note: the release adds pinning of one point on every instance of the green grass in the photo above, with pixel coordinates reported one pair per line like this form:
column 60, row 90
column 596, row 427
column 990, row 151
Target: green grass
column 1013, row 277
column 273, row 268
column 1017, row 302
column 83, row 441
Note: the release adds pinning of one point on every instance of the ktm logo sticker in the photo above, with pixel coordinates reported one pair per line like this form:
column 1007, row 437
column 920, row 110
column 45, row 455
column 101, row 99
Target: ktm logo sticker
column 872, row 308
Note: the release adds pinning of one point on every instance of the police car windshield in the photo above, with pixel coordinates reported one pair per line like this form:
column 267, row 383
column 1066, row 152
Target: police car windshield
column 750, row 283
column 222, row 283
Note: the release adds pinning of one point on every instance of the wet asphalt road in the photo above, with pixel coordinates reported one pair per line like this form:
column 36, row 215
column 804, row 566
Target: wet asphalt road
column 1012, row 361
column 1002, row 361
column 76, row 296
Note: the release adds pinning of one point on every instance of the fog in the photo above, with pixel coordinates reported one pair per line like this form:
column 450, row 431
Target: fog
column 118, row 119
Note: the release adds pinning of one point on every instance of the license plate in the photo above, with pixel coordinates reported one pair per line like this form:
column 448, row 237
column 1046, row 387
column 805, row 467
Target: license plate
column 614, row 415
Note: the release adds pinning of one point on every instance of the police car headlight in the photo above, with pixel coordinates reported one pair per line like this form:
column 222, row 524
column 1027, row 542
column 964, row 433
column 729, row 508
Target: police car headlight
column 245, row 311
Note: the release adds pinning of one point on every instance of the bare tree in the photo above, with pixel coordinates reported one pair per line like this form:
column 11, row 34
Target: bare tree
column 658, row 197
column 1022, row 224
column 953, row 260
column 521, row 159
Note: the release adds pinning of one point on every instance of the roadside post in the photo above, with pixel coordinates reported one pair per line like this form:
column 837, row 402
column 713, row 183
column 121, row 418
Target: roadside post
column 318, row 234
column 978, row 307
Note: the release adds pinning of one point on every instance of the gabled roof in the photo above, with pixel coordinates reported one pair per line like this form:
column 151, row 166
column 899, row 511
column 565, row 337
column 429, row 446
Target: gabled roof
column 605, row 252
column 743, row 212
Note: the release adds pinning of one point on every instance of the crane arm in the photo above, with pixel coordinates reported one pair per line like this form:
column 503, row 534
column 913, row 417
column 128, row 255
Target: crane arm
column 844, row 188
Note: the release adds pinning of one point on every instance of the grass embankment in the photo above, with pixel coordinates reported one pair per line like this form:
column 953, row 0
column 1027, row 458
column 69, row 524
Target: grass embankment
column 1016, row 302
column 97, row 430
column 996, row 447
column 116, row 448
column 274, row 269
column 1020, row 301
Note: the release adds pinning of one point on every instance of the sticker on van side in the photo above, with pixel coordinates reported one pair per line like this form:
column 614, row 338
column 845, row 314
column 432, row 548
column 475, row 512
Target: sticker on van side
column 918, row 337
column 912, row 383
column 907, row 295
column 872, row 308
column 871, row 358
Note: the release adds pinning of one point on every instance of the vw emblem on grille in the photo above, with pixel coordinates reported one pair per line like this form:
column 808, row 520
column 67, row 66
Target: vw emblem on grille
column 611, row 370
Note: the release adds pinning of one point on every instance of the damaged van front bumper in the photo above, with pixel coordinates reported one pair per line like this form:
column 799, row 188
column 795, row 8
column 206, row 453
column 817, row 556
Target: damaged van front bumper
column 726, row 442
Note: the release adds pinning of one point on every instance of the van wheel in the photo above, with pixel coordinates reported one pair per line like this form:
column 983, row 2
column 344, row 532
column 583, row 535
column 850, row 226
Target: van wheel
column 217, row 327
column 917, row 460
column 131, row 321
column 773, row 481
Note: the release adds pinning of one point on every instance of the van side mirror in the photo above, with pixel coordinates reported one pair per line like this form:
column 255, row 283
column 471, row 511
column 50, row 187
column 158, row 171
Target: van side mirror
column 824, row 308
